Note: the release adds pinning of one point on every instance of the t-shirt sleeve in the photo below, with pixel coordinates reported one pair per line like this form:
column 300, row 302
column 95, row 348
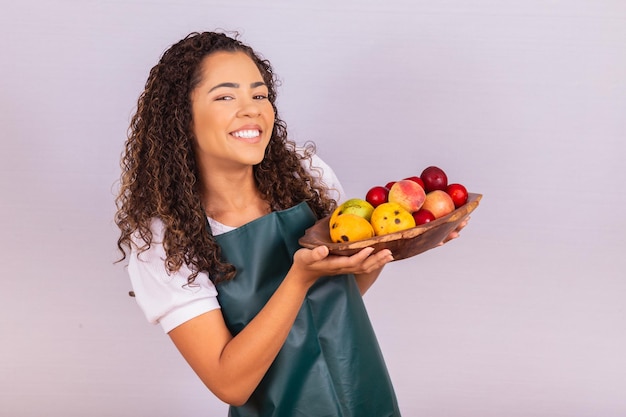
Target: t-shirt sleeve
column 166, row 298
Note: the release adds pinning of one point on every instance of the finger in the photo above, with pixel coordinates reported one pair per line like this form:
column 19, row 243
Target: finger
column 378, row 260
column 463, row 223
column 352, row 262
column 452, row 235
column 363, row 253
column 318, row 253
column 456, row 232
column 311, row 256
column 374, row 261
column 384, row 255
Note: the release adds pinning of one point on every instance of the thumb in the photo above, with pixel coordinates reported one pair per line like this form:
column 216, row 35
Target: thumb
column 318, row 253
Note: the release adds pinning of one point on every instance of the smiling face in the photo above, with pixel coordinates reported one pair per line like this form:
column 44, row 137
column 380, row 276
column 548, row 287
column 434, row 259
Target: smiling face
column 232, row 116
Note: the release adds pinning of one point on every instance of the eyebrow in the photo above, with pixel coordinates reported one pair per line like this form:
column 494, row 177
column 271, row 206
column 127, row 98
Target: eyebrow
column 235, row 85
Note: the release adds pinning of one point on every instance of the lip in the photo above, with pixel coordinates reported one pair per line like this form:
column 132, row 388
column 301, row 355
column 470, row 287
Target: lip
column 248, row 127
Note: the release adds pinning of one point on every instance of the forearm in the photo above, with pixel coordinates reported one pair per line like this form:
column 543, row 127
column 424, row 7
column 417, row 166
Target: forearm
column 263, row 337
column 250, row 354
column 365, row 281
column 232, row 367
column 247, row 357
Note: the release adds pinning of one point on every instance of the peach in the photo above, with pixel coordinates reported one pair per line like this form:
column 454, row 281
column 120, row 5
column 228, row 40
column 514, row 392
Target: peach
column 408, row 194
column 439, row 203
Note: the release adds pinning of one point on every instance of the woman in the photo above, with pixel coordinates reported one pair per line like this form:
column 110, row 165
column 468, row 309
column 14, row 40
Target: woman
column 212, row 202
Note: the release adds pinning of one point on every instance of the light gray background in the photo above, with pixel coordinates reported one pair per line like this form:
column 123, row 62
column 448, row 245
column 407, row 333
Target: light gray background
column 523, row 101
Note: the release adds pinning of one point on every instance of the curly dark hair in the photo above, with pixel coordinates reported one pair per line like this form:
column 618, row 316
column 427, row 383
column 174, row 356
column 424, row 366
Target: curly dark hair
column 160, row 178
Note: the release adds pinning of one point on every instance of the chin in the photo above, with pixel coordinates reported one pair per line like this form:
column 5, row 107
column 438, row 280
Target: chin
column 254, row 158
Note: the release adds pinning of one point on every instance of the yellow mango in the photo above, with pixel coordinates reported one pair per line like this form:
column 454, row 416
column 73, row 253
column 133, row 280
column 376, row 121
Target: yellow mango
column 349, row 227
column 391, row 217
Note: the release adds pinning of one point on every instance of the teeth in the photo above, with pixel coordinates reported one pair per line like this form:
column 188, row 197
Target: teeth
column 246, row 133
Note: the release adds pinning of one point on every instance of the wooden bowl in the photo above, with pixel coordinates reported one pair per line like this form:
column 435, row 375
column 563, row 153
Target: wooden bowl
column 403, row 244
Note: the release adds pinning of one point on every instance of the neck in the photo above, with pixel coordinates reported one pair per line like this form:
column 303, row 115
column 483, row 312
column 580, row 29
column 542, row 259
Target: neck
column 233, row 199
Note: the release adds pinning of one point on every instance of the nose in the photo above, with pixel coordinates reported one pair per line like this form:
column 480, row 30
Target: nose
column 250, row 108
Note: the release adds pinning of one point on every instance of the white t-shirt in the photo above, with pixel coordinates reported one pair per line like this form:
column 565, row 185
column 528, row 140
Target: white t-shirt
column 164, row 297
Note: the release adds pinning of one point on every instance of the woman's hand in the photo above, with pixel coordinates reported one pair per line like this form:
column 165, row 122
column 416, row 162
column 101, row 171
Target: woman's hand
column 310, row 264
column 456, row 232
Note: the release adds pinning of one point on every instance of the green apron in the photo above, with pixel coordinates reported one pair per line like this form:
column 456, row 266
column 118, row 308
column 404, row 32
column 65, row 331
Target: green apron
column 330, row 364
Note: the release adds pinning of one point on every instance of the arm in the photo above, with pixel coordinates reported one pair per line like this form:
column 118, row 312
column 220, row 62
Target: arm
column 365, row 281
column 232, row 367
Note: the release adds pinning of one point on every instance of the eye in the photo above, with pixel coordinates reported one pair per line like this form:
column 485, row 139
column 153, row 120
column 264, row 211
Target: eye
column 260, row 97
column 224, row 98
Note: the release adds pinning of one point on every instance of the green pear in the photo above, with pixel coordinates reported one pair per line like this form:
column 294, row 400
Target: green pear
column 355, row 206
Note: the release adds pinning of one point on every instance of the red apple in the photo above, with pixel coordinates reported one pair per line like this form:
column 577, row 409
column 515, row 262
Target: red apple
column 423, row 216
column 434, row 179
column 377, row 195
column 389, row 185
column 408, row 194
column 439, row 203
column 458, row 192
column 417, row 180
